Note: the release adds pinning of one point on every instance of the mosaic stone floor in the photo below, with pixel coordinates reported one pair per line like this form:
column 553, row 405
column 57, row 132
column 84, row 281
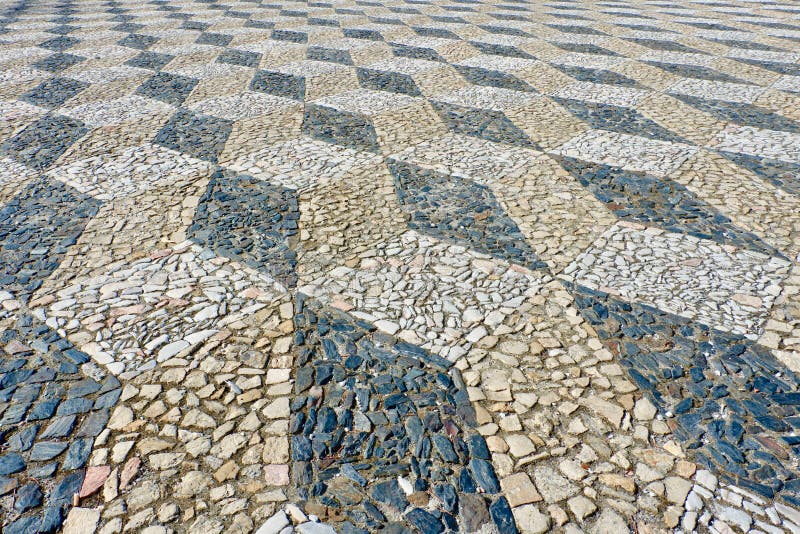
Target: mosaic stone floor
column 399, row 266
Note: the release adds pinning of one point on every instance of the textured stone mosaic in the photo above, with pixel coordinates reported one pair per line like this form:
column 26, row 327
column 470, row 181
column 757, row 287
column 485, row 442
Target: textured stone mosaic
column 399, row 266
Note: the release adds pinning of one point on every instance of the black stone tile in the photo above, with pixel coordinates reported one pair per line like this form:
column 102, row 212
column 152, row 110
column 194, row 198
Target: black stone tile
column 358, row 33
column 663, row 203
column 279, row 84
column 749, row 45
column 492, row 78
column 333, row 55
column 461, row 211
column 781, row 174
column 200, row 136
column 150, row 60
column 54, row 92
column 586, row 74
column 216, row 39
column 58, row 62
column 583, row 48
column 239, row 57
column 504, row 30
column 64, row 29
column 696, row 373
column 618, row 119
column 59, row 44
column 251, row 221
column 195, row 25
column 669, row 46
column 416, row 52
column 575, row 29
column 440, row 33
column 340, row 127
column 128, row 27
column 742, row 114
column 290, row 35
column 394, row 82
column 391, row 409
column 138, row 41
column 490, row 125
column 37, row 227
column 170, row 88
column 43, row 141
column 792, row 69
column 695, row 71
column 261, row 24
column 501, row 50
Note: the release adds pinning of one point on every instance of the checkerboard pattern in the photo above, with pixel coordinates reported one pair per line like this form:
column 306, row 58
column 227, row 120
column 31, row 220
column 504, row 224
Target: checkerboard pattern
column 424, row 174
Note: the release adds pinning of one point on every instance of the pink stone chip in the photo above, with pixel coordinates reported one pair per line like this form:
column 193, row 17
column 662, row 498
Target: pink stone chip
column 129, row 472
column 277, row 475
column 95, row 478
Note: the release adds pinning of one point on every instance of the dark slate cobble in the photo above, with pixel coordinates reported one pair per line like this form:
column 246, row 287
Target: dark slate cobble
column 54, row 92
column 493, row 78
column 150, row 60
column 371, row 409
column 488, row 124
column 58, row 62
column 170, row 88
column 783, row 174
column 731, row 403
column 249, row 220
column 661, row 202
column 45, row 461
column 394, row 82
column 459, row 210
column 742, row 114
column 617, row 119
column 200, row 136
column 331, row 125
column 36, row 229
column 586, row 74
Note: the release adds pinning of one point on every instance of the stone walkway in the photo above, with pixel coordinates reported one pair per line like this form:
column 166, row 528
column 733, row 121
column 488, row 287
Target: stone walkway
column 399, row 266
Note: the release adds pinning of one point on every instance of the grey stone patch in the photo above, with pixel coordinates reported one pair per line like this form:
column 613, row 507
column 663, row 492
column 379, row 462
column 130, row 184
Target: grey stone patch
column 378, row 424
column 138, row 41
column 200, row 136
column 216, row 39
column 54, row 92
column 251, row 221
column 41, row 143
column 459, row 210
column 394, row 82
column 58, row 62
column 170, row 88
column 279, row 84
column 150, row 60
column 340, row 127
column 239, row 57
column 491, row 125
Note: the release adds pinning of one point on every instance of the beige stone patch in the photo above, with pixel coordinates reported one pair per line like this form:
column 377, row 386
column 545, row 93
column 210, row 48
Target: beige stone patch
column 686, row 121
column 750, row 202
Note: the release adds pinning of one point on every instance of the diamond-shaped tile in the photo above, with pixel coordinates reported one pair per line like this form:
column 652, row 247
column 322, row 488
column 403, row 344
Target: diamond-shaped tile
column 200, row 136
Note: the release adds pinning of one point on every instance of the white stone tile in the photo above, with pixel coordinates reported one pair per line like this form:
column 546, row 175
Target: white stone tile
column 629, row 152
column 602, row 94
column 720, row 286
column 130, row 171
column 773, row 144
column 715, row 90
column 245, row 105
column 486, row 97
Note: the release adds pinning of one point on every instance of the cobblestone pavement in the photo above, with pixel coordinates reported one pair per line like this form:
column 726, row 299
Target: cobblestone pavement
column 399, row 266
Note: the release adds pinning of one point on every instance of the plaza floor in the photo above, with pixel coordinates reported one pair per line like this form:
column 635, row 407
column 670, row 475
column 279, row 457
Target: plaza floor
column 399, row 266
